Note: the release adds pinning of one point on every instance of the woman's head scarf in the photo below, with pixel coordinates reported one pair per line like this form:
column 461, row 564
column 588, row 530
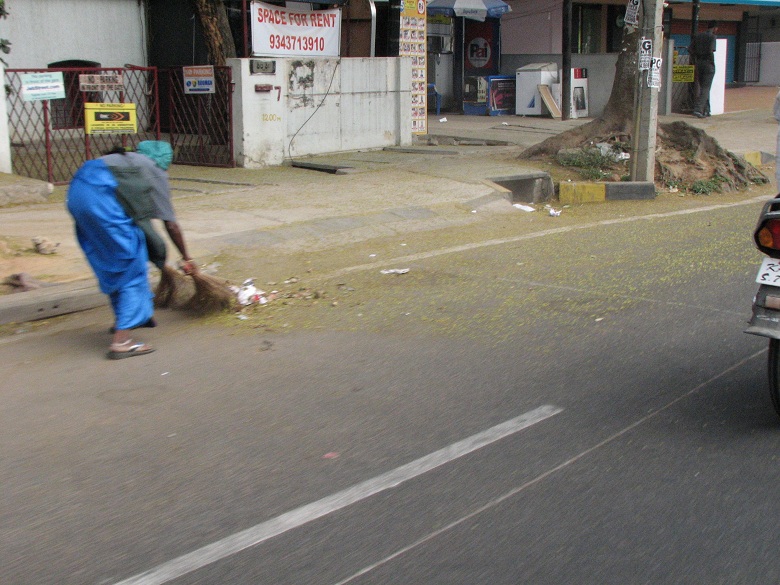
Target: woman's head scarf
column 157, row 150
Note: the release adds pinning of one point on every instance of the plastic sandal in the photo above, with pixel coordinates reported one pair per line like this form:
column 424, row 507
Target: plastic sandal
column 133, row 350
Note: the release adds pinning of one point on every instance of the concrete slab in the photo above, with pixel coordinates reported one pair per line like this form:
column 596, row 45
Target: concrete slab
column 50, row 302
column 530, row 187
column 17, row 190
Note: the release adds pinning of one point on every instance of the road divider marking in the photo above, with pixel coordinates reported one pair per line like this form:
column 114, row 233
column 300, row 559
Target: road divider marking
column 541, row 477
column 255, row 535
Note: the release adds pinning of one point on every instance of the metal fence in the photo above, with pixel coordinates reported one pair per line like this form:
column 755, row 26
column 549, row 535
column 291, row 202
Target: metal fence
column 200, row 126
column 48, row 141
column 752, row 63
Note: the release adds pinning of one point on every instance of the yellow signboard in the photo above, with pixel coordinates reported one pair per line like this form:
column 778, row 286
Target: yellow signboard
column 683, row 73
column 110, row 118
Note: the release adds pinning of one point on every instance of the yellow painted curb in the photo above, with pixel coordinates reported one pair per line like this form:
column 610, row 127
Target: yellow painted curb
column 754, row 158
column 571, row 193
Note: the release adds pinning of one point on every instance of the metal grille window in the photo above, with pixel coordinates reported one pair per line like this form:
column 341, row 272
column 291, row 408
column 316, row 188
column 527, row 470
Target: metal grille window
column 69, row 112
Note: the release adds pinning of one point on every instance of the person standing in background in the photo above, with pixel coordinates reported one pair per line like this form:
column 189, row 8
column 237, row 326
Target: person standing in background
column 702, row 51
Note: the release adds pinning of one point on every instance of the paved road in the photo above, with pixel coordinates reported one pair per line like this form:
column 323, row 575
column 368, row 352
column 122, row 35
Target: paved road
column 570, row 403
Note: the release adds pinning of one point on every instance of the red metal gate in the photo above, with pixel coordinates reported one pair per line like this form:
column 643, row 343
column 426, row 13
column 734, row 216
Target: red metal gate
column 48, row 141
column 200, row 126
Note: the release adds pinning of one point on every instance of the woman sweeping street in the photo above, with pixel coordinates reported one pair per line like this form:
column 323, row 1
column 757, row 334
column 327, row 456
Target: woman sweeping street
column 115, row 248
column 149, row 165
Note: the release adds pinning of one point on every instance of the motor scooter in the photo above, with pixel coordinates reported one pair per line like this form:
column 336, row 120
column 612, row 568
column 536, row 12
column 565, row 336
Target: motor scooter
column 766, row 304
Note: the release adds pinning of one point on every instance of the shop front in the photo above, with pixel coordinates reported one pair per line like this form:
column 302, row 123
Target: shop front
column 464, row 51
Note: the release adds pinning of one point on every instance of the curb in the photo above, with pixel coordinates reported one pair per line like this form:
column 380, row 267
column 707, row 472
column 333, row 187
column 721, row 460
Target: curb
column 49, row 302
column 758, row 158
column 576, row 193
column 15, row 190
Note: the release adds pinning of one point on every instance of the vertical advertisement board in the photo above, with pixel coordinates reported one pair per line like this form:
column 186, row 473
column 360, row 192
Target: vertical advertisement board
column 413, row 44
column 481, row 48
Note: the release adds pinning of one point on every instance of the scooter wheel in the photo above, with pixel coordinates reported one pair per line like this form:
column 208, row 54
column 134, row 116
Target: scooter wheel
column 774, row 373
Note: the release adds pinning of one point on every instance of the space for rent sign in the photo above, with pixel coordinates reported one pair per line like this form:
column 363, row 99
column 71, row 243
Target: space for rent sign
column 282, row 32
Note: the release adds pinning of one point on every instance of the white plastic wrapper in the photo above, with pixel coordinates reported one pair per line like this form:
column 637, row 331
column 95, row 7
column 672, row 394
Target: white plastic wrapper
column 395, row 271
column 248, row 293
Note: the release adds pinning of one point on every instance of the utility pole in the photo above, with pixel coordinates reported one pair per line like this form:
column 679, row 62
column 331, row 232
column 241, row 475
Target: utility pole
column 646, row 112
column 566, row 68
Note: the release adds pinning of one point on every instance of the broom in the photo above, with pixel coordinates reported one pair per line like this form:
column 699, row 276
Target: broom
column 212, row 294
column 171, row 287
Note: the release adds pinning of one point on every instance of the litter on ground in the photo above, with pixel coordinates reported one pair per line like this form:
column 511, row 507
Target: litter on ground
column 248, row 293
column 394, row 271
column 44, row 245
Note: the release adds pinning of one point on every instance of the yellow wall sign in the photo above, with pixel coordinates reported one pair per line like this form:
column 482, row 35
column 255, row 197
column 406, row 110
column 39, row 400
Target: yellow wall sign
column 110, row 119
column 683, row 73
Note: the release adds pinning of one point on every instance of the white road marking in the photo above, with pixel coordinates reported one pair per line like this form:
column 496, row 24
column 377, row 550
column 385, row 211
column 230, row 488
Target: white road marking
column 235, row 543
column 543, row 476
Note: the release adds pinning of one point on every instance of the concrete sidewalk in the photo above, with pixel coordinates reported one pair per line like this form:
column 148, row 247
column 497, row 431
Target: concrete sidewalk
column 435, row 184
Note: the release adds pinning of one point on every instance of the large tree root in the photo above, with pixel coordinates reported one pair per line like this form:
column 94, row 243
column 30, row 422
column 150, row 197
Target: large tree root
column 684, row 154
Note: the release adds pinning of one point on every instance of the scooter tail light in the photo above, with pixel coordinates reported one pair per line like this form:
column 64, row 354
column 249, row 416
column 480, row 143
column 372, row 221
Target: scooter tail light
column 768, row 235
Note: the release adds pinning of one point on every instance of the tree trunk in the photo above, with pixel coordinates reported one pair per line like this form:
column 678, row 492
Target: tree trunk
column 216, row 30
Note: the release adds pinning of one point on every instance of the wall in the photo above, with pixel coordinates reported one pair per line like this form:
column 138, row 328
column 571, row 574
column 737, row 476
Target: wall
column 110, row 32
column 316, row 106
column 769, row 24
column 531, row 28
column 770, row 57
column 601, row 73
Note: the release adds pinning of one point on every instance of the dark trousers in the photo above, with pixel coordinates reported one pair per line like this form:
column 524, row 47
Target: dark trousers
column 705, row 72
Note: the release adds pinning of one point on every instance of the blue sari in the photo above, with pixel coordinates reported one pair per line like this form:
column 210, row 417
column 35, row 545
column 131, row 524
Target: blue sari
column 114, row 246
